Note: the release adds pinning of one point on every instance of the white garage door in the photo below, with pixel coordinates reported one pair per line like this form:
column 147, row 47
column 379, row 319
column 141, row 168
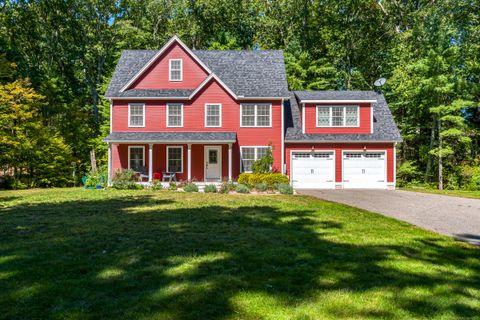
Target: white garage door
column 313, row 170
column 364, row 170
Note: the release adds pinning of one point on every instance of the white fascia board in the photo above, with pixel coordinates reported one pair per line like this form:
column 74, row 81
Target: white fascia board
column 338, row 101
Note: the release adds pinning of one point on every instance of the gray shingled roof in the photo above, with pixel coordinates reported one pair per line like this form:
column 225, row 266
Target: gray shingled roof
column 182, row 137
column 336, row 95
column 247, row 73
column 384, row 127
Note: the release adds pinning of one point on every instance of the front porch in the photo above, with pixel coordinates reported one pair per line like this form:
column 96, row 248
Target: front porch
column 190, row 156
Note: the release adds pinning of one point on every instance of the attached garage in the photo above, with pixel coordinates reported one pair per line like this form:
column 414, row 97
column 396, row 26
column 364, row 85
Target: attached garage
column 365, row 170
column 313, row 170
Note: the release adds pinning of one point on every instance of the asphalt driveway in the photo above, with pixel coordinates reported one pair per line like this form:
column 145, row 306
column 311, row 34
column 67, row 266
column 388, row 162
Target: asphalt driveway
column 452, row 216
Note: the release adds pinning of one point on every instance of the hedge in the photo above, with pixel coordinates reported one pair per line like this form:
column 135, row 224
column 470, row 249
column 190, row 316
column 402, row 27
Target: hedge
column 271, row 179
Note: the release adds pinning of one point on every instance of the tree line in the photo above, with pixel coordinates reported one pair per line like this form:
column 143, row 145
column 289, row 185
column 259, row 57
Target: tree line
column 57, row 56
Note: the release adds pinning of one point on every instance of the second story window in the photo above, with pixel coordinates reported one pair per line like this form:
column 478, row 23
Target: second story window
column 175, row 70
column 255, row 115
column 337, row 116
column 213, row 115
column 136, row 115
column 174, row 115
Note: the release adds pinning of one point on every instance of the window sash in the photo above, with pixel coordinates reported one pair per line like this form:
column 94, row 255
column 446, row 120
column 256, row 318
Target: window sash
column 136, row 115
column 176, row 70
column 175, row 159
column 213, row 117
column 136, row 158
column 174, row 115
column 338, row 116
column 256, row 115
column 251, row 154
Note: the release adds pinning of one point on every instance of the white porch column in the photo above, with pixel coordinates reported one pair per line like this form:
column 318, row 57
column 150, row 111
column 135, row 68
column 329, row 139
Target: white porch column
column 189, row 162
column 109, row 177
column 229, row 162
column 150, row 162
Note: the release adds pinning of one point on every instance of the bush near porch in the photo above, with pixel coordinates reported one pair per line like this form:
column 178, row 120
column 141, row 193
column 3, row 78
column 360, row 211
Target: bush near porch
column 270, row 179
column 141, row 254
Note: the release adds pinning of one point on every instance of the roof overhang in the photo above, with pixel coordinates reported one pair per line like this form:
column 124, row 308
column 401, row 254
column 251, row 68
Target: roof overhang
column 185, row 141
column 338, row 101
column 341, row 141
column 158, row 54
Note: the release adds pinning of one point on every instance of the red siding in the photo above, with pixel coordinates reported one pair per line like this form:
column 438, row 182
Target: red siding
column 338, row 148
column 311, row 120
column 194, row 120
column 157, row 77
column 120, row 159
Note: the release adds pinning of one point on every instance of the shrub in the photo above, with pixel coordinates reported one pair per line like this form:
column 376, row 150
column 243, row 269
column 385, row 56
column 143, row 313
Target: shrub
column 285, row 188
column 274, row 178
column 210, row 188
column 226, row 187
column 97, row 178
column 244, row 178
column 242, row 188
column 261, row 187
column 190, row 187
column 270, row 179
column 125, row 179
column 408, row 173
column 264, row 164
column 157, row 185
column 172, row 186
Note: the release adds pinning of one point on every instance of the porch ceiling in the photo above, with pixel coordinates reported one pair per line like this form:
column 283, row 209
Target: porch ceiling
column 171, row 137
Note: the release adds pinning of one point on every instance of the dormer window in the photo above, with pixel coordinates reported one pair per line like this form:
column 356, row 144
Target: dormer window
column 337, row 116
column 175, row 70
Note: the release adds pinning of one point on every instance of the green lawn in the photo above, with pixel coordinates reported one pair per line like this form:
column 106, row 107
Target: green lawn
column 78, row 254
column 453, row 193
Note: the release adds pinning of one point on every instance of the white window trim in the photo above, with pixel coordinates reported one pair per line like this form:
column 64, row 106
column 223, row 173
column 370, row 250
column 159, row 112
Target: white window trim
column 220, row 114
column 255, row 154
column 143, row 111
column 143, row 152
column 181, row 114
column 330, row 116
column 255, row 115
column 170, row 70
column 181, row 158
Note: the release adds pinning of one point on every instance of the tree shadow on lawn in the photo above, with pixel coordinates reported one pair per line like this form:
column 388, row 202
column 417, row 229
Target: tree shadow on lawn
column 147, row 257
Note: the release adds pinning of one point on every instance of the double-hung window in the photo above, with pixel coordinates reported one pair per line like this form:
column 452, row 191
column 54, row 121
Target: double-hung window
column 175, row 159
column 213, row 115
column 250, row 155
column 136, row 159
column 175, row 70
column 174, row 115
column 136, row 115
column 255, row 115
column 337, row 116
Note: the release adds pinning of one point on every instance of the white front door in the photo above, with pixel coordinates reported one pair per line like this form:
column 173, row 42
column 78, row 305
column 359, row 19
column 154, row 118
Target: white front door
column 313, row 170
column 364, row 170
column 213, row 163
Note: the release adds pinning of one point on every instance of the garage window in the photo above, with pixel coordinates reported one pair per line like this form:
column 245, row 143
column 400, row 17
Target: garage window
column 250, row 155
column 337, row 116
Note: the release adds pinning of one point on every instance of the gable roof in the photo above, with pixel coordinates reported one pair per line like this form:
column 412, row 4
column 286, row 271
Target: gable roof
column 247, row 74
column 384, row 127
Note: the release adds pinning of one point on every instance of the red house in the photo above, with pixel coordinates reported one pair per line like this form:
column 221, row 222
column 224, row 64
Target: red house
column 208, row 115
